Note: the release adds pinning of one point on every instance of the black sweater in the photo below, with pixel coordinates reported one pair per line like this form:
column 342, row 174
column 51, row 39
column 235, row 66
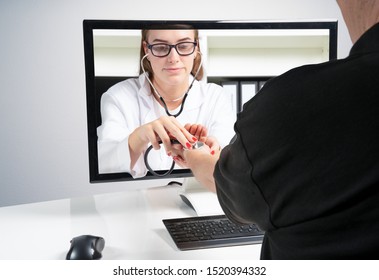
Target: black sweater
column 305, row 163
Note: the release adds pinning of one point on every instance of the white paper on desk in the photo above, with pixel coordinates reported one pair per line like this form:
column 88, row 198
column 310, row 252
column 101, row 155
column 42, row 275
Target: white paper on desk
column 204, row 202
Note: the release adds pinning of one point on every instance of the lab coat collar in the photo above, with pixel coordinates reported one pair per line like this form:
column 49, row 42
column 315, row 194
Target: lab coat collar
column 194, row 99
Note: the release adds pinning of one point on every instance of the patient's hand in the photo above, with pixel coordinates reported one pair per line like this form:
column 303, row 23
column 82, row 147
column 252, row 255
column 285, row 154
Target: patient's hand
column 210, row 147
column 201, row 133
column 202, row 164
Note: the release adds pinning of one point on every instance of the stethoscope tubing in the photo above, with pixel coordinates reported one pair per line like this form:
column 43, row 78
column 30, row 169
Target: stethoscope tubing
column 149, row 167
column 184, row 96
column 169, row 114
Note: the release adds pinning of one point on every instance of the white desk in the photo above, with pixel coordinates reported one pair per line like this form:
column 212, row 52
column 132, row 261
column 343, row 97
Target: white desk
column 130, row 222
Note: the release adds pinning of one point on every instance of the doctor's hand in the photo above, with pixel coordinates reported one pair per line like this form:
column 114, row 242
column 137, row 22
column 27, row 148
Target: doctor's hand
column 201, row 133
column 163, row 129
column 197, row 130
column 211, row 146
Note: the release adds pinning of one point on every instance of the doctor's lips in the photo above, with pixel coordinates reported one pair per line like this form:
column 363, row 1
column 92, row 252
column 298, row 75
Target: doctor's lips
column 174, row 70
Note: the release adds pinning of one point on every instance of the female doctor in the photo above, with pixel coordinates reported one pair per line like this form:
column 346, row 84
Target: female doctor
column 167, row 101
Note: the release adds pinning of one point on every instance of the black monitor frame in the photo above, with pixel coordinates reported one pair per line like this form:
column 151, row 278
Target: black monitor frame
column 93, row 112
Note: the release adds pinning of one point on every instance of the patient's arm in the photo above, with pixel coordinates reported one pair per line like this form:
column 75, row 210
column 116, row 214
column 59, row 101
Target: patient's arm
column 202, row 164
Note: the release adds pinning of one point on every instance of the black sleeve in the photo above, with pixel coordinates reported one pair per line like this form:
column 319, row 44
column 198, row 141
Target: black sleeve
column 239, row 195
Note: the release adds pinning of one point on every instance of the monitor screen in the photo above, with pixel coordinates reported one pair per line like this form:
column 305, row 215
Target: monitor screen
column 238, row 56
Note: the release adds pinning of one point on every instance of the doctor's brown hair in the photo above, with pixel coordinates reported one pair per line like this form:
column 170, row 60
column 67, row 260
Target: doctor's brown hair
column 196, row 63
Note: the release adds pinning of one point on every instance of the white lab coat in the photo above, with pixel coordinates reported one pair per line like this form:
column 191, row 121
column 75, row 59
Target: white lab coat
column 130, row 104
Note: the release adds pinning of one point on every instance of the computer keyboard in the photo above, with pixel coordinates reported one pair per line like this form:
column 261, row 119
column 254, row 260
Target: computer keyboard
column 210, row 232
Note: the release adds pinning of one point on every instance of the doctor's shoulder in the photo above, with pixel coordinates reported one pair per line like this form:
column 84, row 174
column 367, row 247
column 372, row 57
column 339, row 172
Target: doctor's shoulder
column 214, row 92
column 127, row 88
column 211, row 88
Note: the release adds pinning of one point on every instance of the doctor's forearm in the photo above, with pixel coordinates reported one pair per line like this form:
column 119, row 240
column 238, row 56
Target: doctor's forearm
column 136, row 148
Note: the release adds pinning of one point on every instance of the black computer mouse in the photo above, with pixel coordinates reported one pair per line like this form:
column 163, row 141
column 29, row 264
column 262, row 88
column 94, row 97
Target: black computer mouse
column 86, row 247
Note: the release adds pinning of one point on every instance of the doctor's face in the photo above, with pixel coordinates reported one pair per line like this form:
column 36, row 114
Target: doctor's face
column 171, row 69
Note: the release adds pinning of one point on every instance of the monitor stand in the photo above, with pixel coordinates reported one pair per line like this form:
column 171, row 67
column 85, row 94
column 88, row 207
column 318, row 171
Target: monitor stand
column 200, row 199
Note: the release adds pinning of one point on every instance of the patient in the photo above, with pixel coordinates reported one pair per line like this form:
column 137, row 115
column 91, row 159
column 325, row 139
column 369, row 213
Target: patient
column 304, row 166
column 167, row 101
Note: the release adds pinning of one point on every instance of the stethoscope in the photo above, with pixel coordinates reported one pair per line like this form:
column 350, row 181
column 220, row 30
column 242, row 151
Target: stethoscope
column 184, row 97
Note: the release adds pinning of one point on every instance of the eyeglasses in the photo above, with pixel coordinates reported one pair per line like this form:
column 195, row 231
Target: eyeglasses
column 162, row 50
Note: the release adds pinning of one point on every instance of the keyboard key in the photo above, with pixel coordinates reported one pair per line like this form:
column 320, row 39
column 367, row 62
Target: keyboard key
column 211, row 231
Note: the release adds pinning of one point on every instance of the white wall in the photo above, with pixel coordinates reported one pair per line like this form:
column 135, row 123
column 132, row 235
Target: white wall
column 43, row 132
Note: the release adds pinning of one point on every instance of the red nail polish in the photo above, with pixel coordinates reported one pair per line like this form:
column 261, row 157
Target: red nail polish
column 169, row 154
column 212, row 153
column 188, row 145
column 194, row 139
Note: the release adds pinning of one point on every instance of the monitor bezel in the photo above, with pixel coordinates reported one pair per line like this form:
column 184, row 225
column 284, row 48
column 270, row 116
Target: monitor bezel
column 89, row 25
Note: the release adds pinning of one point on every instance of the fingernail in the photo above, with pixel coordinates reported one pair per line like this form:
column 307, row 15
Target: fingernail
column 175, row 158
column 169, row 154
column 188, row 145
column 194, row 139
column 212, row 152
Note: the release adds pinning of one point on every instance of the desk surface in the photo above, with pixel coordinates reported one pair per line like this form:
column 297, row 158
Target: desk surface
column 130, row 222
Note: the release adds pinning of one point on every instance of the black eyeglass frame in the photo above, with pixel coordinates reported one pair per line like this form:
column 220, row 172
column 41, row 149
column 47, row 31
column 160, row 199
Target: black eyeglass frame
column 150, row 47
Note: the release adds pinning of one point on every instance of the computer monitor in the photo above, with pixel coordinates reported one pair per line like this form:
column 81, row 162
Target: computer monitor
column 238, row 55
